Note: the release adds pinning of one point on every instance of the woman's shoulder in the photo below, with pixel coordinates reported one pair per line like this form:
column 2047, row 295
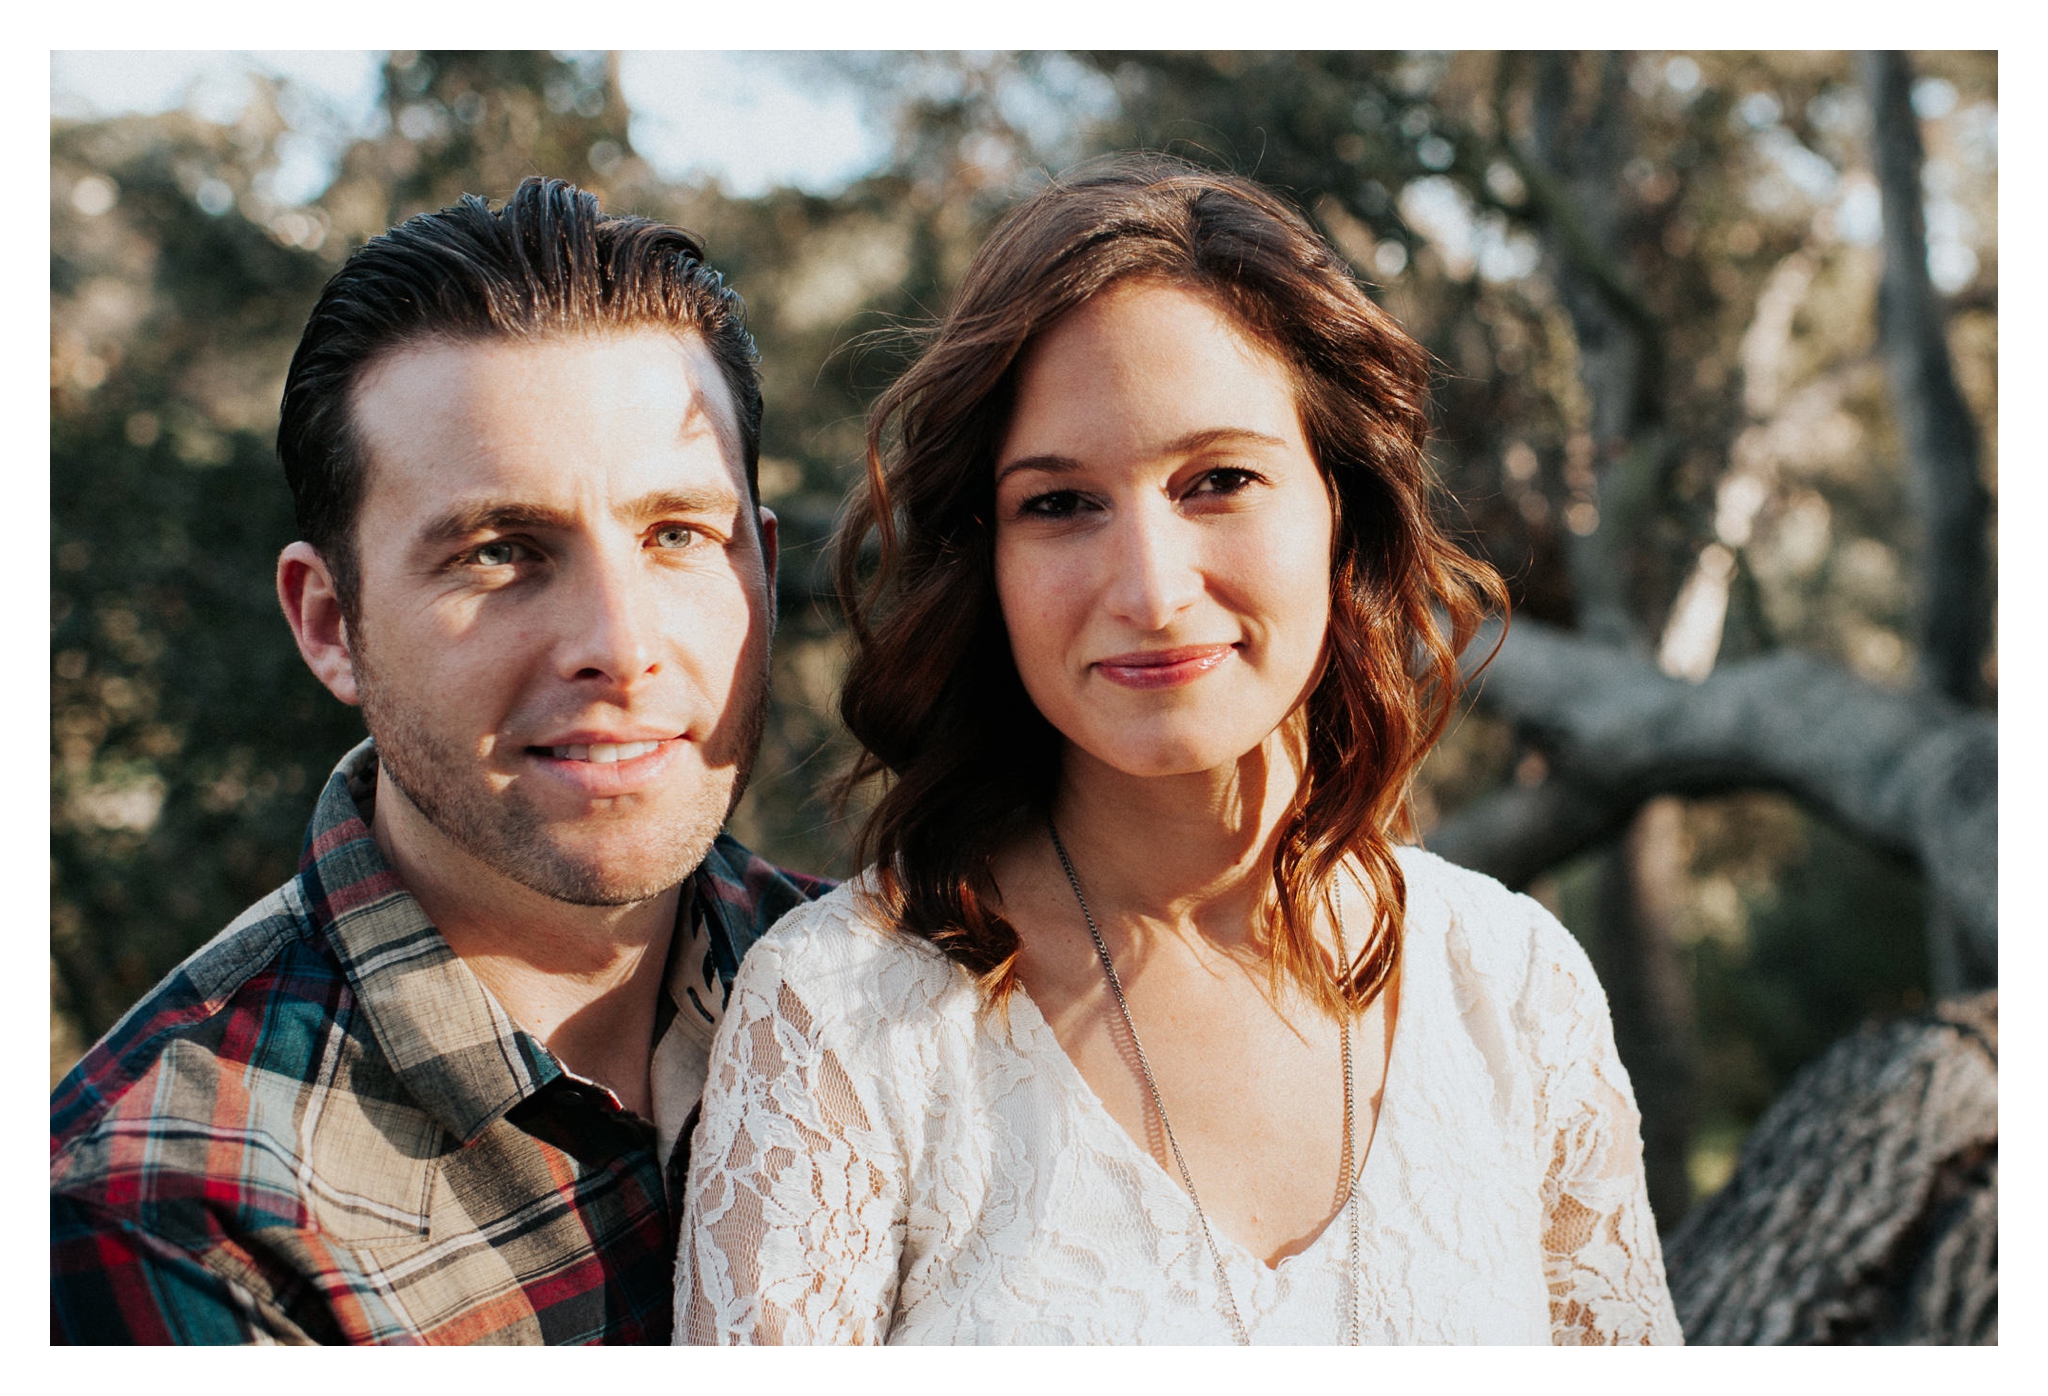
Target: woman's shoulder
column 839, row 956
column 1484, row 930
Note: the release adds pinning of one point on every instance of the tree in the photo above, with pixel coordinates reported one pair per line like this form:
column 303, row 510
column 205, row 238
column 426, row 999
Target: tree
column 1865, row 1208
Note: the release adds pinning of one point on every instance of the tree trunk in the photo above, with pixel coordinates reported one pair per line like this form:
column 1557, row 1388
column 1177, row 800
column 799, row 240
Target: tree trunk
column 1650, row 998
column 1934, row 422
column 1864, row 1206
column 1583, row 137
column 1940, row 438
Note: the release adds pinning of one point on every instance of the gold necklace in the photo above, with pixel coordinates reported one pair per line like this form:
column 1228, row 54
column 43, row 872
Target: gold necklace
column 1345, row 1162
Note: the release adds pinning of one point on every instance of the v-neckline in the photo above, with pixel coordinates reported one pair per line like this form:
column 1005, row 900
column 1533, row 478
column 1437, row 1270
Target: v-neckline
column 1048, row 1044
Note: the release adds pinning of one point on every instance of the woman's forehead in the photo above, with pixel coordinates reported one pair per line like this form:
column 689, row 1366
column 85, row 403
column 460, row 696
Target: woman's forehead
column 1144, row 366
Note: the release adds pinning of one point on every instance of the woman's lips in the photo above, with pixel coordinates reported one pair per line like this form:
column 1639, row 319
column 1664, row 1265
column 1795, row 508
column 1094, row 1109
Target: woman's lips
column 1163, row 668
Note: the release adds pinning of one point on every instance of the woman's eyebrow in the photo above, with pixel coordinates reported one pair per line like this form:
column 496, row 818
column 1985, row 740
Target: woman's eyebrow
column 1218, row 436
column 1050, row 464
column 1054, row 464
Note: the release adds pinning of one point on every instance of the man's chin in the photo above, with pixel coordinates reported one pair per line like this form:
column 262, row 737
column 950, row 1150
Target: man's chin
column 570, row 856
column 587, row 881
column 596, row 894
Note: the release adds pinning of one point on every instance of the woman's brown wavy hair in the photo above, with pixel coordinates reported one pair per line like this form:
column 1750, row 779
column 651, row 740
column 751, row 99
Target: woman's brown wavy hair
column 932, row 693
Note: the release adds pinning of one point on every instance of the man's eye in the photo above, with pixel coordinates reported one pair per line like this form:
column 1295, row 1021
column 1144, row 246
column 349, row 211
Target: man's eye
column 498, row 554
column 674, row 536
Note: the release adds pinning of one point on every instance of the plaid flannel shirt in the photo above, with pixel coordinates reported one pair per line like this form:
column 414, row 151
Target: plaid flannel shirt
column 322, row 1127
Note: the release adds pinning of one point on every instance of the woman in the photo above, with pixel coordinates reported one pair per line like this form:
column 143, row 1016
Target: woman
column 1140, row 1027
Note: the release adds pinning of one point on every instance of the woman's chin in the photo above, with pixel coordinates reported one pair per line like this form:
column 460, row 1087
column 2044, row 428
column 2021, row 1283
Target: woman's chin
column 1161, row 760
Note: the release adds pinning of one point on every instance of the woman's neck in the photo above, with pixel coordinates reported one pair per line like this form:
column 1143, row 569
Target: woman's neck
column 1187, row 853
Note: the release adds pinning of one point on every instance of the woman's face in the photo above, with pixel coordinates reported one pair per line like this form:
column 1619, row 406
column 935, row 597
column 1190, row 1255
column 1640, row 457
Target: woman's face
column 1162, row 545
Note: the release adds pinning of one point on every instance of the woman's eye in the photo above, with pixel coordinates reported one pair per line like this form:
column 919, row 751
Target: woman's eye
column 1223, row 480
column 498, row 554
column 1054, row 504
column 674, row 536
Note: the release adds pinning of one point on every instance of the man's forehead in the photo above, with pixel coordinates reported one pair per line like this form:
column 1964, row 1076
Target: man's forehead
column 451, row 409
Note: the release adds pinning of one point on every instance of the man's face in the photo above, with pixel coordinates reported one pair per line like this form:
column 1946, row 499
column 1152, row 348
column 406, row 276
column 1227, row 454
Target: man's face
column 565, row 604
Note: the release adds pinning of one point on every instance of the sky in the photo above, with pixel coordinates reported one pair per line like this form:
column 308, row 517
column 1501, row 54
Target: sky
column 752, row 121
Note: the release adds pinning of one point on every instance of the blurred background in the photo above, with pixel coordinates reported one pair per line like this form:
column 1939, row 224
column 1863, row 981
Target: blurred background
column 1652, row 282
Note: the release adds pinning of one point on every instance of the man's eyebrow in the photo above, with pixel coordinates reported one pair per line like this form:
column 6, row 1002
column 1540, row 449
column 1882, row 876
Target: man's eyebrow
column 719, row 499
column 468, row 520
column 1194, row 441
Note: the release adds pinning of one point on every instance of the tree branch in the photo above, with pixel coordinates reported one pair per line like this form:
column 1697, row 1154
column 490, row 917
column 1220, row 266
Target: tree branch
column 1521, row 832
column 1907, row 773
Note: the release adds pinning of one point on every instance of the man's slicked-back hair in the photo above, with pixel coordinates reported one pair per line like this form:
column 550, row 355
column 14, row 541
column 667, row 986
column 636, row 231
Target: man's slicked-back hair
column 550, row 261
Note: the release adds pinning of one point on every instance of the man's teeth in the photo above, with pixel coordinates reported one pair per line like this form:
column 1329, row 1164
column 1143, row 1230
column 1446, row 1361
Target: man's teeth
column 604, row 753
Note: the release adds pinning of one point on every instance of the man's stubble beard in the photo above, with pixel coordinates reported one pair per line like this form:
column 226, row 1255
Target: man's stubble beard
column 507, row 835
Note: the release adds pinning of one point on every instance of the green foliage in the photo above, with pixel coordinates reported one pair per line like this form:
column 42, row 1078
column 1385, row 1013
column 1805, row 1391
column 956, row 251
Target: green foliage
column 1835, row 942
column 1796, row 936
column 186, row 735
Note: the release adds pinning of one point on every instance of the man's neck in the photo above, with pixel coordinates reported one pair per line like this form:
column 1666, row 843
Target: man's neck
column 585, row 980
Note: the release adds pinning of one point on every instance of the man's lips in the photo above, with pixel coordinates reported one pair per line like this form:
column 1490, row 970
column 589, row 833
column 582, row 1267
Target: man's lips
column 604, row 763
column 1163, row 668
column 601, row 753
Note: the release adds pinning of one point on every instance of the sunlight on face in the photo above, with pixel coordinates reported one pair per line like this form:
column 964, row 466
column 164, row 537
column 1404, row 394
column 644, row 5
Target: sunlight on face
column 1163, row 535
column 565, row 604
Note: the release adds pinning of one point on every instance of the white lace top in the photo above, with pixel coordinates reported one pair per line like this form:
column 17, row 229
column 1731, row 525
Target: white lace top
column 881, row 1159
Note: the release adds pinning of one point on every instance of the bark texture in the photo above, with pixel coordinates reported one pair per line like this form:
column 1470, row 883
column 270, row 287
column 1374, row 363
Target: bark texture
column 1864, row 1207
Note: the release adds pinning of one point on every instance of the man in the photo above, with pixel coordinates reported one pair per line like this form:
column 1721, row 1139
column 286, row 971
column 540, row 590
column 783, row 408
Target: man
column 437, row 1087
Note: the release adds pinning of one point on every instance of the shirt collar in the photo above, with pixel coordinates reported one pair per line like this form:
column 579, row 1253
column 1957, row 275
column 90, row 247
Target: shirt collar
column 446, row 1036
column 448, row 1039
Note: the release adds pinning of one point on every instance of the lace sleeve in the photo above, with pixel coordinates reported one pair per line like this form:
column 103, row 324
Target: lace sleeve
column 1601, row 1256
column 793, row 1222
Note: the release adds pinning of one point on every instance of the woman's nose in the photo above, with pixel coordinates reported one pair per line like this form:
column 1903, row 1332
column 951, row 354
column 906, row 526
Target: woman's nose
column 1154, row 571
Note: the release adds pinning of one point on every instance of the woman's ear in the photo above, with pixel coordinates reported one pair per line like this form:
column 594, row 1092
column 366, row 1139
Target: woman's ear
column 312, row 607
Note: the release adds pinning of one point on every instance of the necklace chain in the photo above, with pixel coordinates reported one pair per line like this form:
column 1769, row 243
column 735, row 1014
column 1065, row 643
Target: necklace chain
column 1346, row 1160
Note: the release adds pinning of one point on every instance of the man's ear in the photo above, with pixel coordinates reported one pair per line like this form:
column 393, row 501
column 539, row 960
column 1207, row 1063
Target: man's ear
column 312, row 607
column 770, row 553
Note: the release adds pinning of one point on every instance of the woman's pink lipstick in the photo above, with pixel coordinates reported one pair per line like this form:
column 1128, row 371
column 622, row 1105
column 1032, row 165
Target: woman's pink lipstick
column 1163, row 668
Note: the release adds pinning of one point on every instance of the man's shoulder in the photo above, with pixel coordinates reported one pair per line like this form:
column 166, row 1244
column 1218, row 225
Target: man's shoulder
column 219, row 1055
column 750, row 893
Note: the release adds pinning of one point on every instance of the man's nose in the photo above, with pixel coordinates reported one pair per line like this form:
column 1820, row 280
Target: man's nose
column 1155, row 571
column 608, row 623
